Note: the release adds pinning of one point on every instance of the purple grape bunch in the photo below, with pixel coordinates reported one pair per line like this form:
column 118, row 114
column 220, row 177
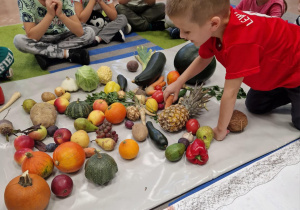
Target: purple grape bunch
column 105, row 131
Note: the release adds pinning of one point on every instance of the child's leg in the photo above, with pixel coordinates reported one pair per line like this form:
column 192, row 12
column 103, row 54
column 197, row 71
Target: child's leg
column 294, row 95
column 154, row 13
column 133, row 15
column 260, row 102
column 109, row 31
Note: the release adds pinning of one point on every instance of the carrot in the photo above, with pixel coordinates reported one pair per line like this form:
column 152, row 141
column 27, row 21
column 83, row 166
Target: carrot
column 160, row 79
column 149, row 90
column 169, row 101
column 89, row 151
column 13, row 98
column 162, row 84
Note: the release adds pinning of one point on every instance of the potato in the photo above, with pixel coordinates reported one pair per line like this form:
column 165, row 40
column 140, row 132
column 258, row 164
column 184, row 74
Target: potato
column 139, row 132
column 44, row 114
column 132, row 66
column 48, row 96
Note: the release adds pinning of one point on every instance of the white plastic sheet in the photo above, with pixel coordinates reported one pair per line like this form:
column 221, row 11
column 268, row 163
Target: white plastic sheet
column 149, row 180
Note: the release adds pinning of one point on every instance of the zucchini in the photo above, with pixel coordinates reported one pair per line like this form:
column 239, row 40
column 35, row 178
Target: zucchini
column 185, row 56
column 160, row 141
column 152, row 71
column 122, row 81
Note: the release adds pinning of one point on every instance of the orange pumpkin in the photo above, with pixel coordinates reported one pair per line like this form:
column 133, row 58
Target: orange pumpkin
column 69, row 157
column 27, row 192
column 172, row 76
column 115, row 113
column 39, row 163
column 128, row 149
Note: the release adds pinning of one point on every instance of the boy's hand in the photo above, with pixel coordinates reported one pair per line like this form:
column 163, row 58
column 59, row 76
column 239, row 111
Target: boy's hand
column 173, row 88
column 220, row 135
column 50, row 5
column 58, row 8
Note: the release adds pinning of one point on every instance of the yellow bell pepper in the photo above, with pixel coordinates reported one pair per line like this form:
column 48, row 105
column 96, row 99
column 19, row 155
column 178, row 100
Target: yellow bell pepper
column 111, row 86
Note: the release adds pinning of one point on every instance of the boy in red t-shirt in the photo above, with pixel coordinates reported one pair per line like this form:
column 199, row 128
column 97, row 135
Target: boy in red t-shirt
column 261, row 51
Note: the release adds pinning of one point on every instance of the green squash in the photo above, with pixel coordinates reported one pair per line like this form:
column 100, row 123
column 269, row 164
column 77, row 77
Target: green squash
column 185, row 56
column 78, row 109
column 100, row 168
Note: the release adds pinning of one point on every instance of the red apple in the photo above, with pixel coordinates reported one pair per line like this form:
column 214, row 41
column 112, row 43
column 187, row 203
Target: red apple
column 20, row 156
column 62, row 135
column 100, row 104
column 96, row 117
column 40, row 134
column 61, row 104
column 23, row 141
column 62, row 185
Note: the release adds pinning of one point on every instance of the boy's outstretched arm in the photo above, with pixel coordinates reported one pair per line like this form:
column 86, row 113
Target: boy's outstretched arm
column 231, row 89
column 198, row 65
column 72, row 22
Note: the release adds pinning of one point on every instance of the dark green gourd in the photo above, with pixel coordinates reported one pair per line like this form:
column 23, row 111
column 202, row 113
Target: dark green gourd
column 78, row 109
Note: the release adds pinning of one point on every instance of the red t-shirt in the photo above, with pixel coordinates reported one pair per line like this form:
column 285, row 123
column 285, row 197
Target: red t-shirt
column 262, row 49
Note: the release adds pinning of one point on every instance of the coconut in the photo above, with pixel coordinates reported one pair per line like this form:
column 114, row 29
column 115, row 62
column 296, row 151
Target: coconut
column 238, row 121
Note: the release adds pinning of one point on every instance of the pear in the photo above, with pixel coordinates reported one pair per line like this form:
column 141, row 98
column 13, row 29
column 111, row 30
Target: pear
column 205, row 133
column 84, row 124
column 28, row 104
column 107, row 144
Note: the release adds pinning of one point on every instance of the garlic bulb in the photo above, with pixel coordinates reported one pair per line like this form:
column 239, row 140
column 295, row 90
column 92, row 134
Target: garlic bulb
column 189, row 136
column 69, row 84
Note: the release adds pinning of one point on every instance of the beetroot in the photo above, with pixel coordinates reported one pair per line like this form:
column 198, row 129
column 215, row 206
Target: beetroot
column 62, row 185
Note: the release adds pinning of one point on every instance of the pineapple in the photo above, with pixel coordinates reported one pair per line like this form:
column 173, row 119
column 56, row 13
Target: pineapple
column 175, row 116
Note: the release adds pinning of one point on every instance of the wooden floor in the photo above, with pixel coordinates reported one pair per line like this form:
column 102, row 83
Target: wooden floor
column 9, row 13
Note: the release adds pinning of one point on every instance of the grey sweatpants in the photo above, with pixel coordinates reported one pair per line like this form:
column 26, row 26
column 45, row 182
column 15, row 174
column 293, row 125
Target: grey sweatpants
column 260, row 102
column 53, row 46
column 109, row 31
column 139, row 17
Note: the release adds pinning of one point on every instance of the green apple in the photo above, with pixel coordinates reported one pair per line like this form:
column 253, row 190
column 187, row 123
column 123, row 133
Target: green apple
column 39, row 134
column 28, row 104
column 205, row 133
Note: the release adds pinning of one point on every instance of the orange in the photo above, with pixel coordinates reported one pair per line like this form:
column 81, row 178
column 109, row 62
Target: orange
column 115, row 113
column 128, row 149
column 172, row 76
column 69, row 157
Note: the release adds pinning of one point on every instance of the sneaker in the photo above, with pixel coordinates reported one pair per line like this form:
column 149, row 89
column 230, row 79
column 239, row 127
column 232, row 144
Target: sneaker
column 80, row 56
column 127, row 28
column 43, row 61
column 158, row 26
column 119, row 36
column 298, row 20
column 93, row 44
column 175, row 33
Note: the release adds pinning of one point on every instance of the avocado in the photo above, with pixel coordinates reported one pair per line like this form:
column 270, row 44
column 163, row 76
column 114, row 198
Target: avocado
column 175, row 152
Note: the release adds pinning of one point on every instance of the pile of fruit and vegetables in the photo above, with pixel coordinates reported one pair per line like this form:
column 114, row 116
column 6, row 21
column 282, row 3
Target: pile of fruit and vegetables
column 142, row 111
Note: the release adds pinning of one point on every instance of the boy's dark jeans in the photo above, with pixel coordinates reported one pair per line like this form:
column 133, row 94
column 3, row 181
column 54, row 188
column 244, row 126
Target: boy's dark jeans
column 260, row 102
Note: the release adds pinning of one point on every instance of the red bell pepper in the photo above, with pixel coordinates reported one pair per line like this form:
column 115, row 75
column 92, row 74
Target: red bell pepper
column 2, row 99
column 196, row 152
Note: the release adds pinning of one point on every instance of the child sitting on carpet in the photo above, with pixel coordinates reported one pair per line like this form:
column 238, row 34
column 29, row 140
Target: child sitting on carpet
column 143, row 15
column 53, row 31
column 275, row 8
column 111, row 30
column 6, row 60
column 261, row 51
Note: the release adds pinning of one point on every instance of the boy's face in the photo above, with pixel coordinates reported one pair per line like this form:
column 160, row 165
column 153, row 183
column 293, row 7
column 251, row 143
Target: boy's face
column 192, row 31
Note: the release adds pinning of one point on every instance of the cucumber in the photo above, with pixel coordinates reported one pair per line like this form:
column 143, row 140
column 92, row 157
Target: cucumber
column 185, row 56
column 122, row 81
column 160, row 141
column 175, row 152
column 152, row 71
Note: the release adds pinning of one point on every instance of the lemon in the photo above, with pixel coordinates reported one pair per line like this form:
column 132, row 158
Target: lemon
column 81, row 137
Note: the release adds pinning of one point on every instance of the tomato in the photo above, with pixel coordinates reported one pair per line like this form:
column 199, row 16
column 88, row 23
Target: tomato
column 158, row 96
column 192, row 125
column 158, row 87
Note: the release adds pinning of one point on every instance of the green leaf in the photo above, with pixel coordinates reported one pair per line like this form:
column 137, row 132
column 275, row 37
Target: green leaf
column 143, row 56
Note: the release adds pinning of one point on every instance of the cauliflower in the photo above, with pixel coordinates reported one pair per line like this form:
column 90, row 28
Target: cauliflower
column 104, row 74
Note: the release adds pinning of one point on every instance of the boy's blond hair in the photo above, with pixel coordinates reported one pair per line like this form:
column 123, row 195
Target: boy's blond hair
column 199, row 11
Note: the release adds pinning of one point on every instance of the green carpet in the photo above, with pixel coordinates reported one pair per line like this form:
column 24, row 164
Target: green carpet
column 161, row 38
column 25, row 65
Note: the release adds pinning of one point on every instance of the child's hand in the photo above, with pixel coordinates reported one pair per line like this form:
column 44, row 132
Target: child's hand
column 173, row 88
column 220, row 135
column 50, row 5
column 58, row 8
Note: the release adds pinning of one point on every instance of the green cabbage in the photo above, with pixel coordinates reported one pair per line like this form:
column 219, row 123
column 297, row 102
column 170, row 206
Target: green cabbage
column 86, row 78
